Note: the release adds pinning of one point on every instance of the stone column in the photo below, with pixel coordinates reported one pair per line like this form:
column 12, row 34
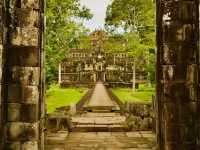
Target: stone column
column 60, row 73
column 24, row 76
column 177, row 73
column 2, row 43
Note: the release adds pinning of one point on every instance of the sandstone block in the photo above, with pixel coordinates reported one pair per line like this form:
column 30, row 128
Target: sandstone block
column 24, row 56
column 178, row 54
column 30, row 145
column 25, row 75
column 13, row 146
column 27, row 18
column 18, row 131
column 29, row 113
column 25, row 37
column 23, row 94
column 24, row 4
column 13, row 111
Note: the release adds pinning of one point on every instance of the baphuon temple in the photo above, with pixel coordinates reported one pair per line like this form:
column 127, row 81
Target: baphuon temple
column 83, row 67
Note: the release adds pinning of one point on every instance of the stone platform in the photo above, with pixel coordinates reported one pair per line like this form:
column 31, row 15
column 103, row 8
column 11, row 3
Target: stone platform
column 103, row 141
column 96, row 122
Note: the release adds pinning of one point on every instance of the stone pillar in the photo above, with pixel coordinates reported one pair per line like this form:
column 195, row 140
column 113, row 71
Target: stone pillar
column 60, row 73
column 2, row 43
column 177, row 73
column 24, row 105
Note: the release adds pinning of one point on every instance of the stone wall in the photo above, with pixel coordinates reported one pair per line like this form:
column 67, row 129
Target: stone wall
column 178, row 74
column 23, row 76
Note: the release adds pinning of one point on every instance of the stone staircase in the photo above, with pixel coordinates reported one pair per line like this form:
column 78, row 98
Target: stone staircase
column 99, row 122
column 101, row 141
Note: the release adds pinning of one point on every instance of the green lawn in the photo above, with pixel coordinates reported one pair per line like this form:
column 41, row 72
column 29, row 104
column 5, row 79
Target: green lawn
column 143, row 94
column 57, row 97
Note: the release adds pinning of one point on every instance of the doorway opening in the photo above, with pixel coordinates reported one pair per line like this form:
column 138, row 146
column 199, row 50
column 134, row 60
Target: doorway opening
column 101, row 68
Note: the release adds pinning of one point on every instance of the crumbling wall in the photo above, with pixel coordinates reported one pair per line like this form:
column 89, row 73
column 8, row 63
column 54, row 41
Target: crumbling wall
column 24, row 106
column 177, row 73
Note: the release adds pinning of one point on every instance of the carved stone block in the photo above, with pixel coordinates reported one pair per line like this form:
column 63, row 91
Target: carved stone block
column 31, row 4
column 13, row 111
column 24, row 37
column 25, row 75
column 174, row 32
column 177, row 54
column 18, row 131
column 30, row 145
column 24, row 56
column 13, row 146
column 26, row 94
column 29, row 113
column 27, row 18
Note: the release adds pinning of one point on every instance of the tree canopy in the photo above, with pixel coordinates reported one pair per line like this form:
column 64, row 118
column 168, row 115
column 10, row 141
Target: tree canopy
column 134, row 20
column 62, row 31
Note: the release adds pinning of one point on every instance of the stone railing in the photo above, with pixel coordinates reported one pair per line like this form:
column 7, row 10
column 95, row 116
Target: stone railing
column 84, row 99
column 140, row 116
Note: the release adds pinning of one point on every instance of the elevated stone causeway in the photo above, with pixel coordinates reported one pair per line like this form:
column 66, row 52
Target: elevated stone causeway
column 100, row 100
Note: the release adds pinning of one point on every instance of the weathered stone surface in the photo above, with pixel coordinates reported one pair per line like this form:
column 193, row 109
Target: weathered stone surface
column 13, row 146
column 24, row 94
column 30, row 146
column 25, row 37
column 24, row 98
column 27, row 18
column 25, row 75
column 101, row 140
column 17, row 131
column 24, row 56
column 177, row 74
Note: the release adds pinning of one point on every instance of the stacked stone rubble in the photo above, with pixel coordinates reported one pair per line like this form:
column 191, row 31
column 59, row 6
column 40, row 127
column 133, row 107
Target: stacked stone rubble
column 24, row 89
column 177, row 73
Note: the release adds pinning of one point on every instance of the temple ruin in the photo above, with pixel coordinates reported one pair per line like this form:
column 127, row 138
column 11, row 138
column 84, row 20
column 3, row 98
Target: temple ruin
column 22, row 110
column 84, row 67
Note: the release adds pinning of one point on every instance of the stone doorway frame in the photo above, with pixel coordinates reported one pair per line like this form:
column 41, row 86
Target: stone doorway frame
column 22, row 109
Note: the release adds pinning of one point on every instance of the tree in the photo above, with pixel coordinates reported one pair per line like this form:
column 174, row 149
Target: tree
column 63, row 32
column 135, row 19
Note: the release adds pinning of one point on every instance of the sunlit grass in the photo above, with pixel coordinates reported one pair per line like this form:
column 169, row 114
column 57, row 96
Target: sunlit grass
column 58, row 97
column 141, row 95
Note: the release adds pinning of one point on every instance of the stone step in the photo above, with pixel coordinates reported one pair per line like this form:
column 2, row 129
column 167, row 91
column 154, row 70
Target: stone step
column 99, row 128
column 99, row 120
column 101, row 108
column 96, row 114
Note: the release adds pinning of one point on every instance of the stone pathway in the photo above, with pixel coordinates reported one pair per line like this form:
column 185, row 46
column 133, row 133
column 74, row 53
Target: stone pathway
column 100, row 127
column 103, row 141
column 96, row 122
column 100, row 99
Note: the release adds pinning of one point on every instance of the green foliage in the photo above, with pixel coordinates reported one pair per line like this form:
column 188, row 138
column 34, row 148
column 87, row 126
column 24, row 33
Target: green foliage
column 142, row 95
column 57, row 97
column 136, row 21
column 62, row 32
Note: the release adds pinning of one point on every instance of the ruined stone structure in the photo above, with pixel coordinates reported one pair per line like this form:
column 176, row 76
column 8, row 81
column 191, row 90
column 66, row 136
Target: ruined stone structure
column 178, row 74
column 2, row 30
column 87, row 66
column 21, row 102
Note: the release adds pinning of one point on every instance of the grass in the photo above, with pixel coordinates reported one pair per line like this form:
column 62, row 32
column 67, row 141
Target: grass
column 58, row 97
column 141, row 95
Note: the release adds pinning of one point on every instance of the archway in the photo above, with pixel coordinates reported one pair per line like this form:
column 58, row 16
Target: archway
column 22, row 77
